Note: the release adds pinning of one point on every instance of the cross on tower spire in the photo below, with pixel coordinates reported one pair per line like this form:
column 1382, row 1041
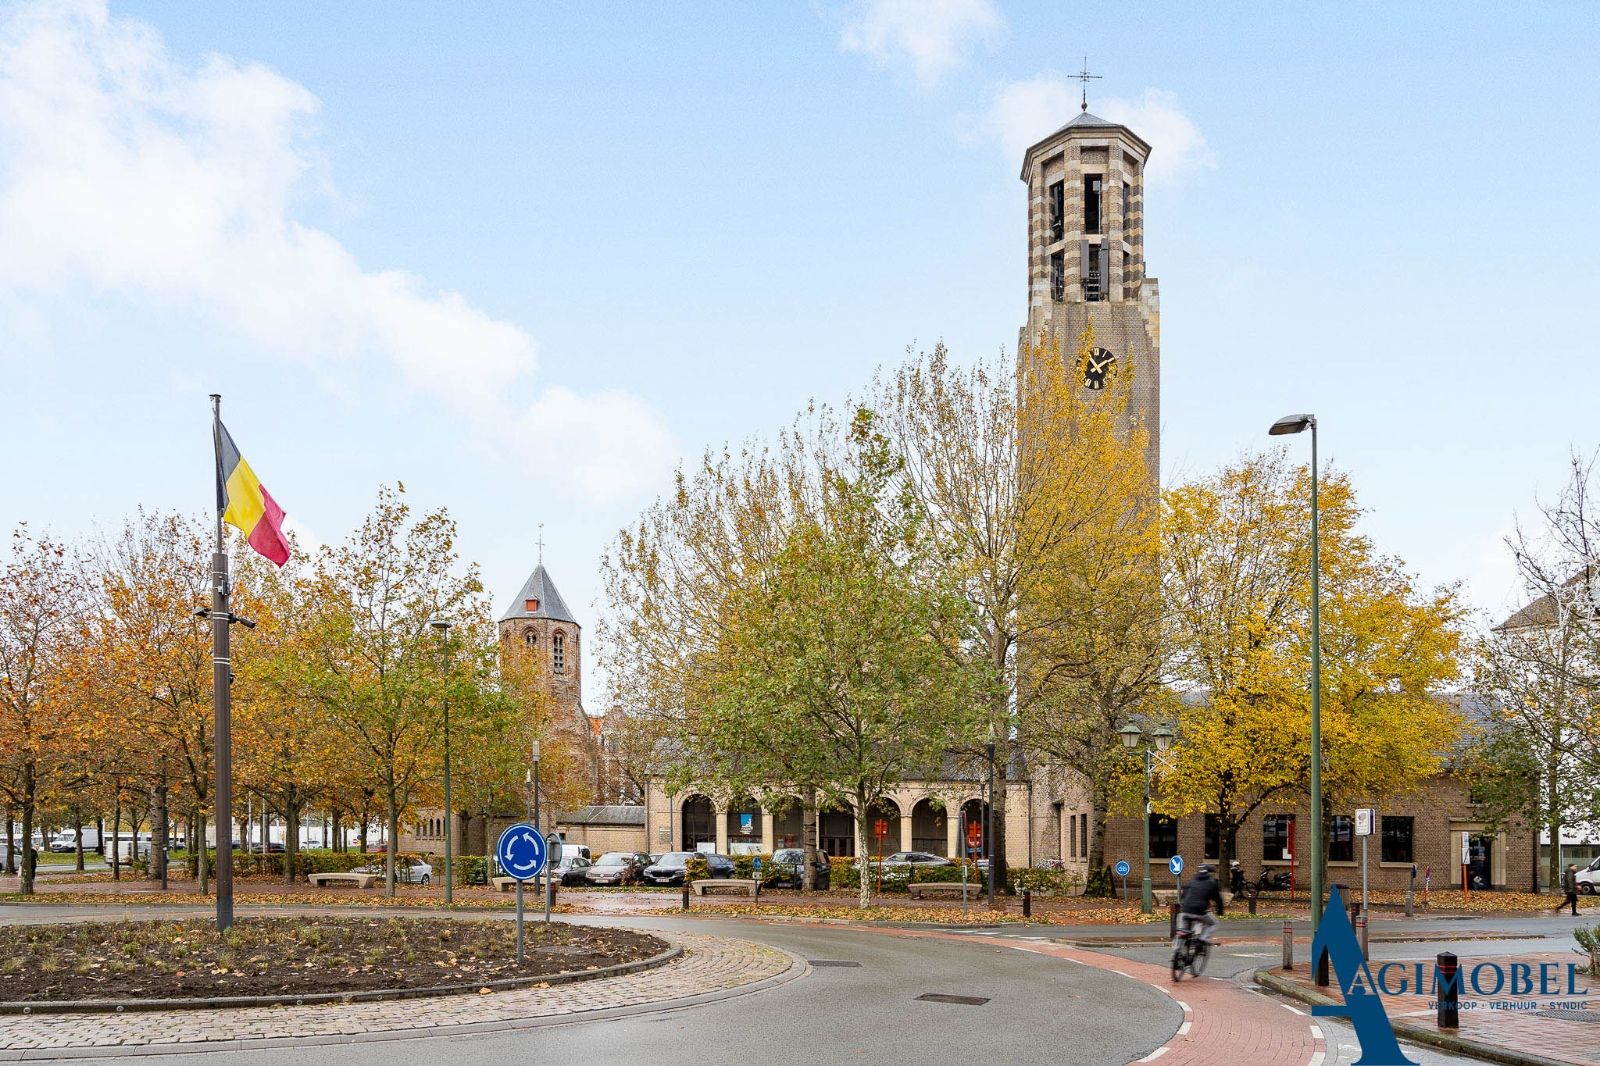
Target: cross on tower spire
column 1085, row 77
column 541, row 543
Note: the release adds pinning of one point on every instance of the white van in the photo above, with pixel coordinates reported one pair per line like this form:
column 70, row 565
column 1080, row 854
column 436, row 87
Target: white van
column 67, row 840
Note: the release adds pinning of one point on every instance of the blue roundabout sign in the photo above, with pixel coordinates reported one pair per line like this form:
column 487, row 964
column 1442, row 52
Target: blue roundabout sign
column 521, row 851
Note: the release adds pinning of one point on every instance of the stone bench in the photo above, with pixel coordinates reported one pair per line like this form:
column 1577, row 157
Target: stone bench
column 509, row 884
column 358, row 880
column 748, row 886
column 945, row 888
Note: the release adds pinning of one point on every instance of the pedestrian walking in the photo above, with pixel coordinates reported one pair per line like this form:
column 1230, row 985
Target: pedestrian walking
column 1569, row 885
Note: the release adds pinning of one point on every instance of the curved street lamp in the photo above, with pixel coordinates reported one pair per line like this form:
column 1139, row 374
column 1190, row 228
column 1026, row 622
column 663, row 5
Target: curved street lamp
column 441, row 626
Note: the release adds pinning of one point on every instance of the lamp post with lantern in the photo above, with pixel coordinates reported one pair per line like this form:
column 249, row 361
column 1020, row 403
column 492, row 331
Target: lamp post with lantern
column 1160, row 739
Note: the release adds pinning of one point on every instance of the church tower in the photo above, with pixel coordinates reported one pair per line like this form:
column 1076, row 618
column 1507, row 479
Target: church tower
column 539, row 624
column 1086, row 259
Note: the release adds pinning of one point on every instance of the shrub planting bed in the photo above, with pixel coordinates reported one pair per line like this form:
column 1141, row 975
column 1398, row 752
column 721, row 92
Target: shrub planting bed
column 290, row 957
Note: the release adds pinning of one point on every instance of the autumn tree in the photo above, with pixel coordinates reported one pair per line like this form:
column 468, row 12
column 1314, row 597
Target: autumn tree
column 1538, row 675
column 1237, row 565
column 43, row 604
column 372, row 665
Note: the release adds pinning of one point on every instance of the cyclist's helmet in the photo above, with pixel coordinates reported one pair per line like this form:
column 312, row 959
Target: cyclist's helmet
column 1203, row 868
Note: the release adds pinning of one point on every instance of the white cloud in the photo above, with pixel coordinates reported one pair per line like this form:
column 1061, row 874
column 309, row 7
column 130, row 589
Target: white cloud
column 933, row 36
column 1022, row 112
column 127, row 171
column 634, row 451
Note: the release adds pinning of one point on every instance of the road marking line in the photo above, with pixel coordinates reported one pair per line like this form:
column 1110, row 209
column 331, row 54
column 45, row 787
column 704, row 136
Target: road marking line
column 1183, row 1030
column 1316, row 1060
column 1316, row 1032
column 1186, row 1008
column 1292, row 1010
column 1154, row 1055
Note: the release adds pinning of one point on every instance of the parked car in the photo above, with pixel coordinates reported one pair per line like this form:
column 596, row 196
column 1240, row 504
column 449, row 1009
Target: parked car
column 418, row 873
column 571, row 868
column 617, row 868
column 672, row 868
column 785, row 871
column 1589, row 878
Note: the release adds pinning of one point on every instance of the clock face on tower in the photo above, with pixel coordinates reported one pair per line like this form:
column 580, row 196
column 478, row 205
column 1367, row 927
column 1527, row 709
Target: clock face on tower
column 1098, row 368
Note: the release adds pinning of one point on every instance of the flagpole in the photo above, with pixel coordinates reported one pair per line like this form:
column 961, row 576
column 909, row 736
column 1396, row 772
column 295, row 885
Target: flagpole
column 221, row 680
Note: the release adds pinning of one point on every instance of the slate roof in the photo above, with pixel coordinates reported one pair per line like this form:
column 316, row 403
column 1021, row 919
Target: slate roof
column 618, row 814
column 1542, row 611
column 540, row 588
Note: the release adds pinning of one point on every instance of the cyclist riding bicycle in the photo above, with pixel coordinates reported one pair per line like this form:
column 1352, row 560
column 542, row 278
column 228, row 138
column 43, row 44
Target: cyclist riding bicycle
column 1195, row 903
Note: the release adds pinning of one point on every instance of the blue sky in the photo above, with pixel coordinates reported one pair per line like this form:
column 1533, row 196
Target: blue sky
column 524, row 260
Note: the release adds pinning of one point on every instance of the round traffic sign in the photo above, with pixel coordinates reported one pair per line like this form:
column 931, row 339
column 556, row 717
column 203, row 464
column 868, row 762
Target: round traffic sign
column 1175, row 864
column 521, row 851
column 1123, row 867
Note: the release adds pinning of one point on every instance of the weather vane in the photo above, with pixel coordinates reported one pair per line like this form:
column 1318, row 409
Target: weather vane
column 541, row 543
column 1085, row 77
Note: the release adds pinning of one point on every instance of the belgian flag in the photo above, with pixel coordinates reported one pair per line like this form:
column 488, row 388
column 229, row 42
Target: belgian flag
column 243, row 502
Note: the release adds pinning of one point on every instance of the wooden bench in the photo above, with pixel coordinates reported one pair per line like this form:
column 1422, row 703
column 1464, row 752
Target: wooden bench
column 358, row 880
column 945, row 888
column 509, row 884
column 746, row 885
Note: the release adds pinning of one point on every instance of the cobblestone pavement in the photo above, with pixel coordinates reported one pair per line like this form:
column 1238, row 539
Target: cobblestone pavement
column 710, row 965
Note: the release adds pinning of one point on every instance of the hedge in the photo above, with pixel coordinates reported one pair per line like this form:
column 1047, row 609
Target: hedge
column 270, row 864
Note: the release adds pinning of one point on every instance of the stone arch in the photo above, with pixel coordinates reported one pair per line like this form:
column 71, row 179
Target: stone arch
column 930, row 830
column 697, row 822
column 836, row 830
column 743, row 825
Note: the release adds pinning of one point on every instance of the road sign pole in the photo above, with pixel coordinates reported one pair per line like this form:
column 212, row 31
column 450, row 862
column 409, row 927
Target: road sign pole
column 519, row 921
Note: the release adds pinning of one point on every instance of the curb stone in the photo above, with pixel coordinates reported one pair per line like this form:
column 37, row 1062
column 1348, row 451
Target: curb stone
column 1411, row 1031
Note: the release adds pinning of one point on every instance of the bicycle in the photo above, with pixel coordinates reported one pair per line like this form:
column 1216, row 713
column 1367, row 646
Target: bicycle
column 1189, row 952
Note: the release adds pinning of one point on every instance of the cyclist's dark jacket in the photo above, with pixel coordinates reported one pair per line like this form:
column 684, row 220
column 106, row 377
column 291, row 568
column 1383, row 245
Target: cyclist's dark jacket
column 1198, row 892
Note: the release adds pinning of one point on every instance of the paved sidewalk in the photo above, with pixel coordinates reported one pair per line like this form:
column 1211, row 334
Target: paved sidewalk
column 1541, row 1028
column 711, row 965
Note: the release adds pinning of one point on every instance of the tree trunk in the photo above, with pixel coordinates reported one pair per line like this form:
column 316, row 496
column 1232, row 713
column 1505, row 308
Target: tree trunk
column 808, row 838
column 291, row 835
column 1098, row 807
column 996, row 847
column 1552, row 772
column 863, row 861
column 336, row 841
column 392, row 833
column 30, row 797
column 11, row 841
column 77, row 827
column 197, row 845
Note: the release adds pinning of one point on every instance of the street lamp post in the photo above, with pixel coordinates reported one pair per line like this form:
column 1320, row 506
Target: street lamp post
column 988, row 819
column 442, row 627
column 1133, row 737
column 1290, row 424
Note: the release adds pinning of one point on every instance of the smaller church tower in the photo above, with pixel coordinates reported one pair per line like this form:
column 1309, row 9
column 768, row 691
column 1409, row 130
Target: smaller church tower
column 539, row 624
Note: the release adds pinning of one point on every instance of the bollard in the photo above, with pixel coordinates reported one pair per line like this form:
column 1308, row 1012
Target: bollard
column 685, row 897
column 1288, row 946
column 1172, row 921
column 1361, row 933
column 1320, row 976
column 1410, row 902
column 1447, row 989
column 1252, row 904
column 1027, row 903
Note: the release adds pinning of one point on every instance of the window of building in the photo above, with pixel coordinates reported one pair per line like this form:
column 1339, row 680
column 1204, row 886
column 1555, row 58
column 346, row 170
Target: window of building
column 1214, row 837
column 1341, row 839
column 1127, row 205
column 1083, row 836
column 1058, row 210
column 531, row 606
column 1091, row 203
column 558, row 653
column 1397, row 832
column 529, row 638
column 1058, row 276
column 1275, row 842
column 1163, row 836
column 1072, row 836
